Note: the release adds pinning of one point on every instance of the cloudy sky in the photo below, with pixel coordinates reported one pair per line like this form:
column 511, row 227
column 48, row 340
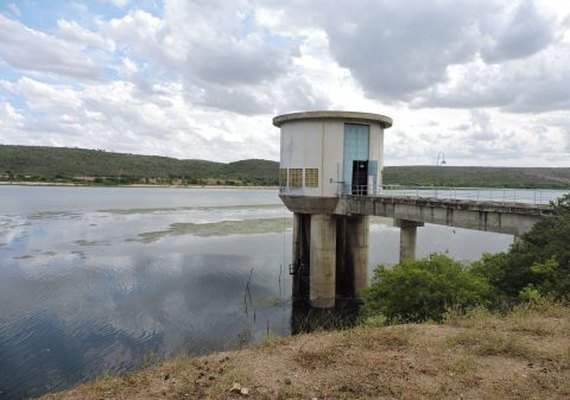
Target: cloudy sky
column 487, row 82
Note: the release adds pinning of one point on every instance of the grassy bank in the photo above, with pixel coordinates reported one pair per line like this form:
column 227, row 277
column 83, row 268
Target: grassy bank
column 523, row 355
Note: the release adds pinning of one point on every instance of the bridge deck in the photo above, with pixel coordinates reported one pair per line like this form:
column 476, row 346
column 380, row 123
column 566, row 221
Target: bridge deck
column 503, row 217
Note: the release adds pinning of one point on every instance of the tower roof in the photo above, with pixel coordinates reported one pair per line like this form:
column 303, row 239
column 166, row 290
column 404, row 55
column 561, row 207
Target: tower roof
column 352, row 116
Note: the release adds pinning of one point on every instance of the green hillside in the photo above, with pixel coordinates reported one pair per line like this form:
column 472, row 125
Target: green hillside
column 554, row 178
column 56, row 164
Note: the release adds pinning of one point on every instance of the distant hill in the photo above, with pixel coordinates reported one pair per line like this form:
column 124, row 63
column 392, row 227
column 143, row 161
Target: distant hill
column 59, row 164
column 546, row 178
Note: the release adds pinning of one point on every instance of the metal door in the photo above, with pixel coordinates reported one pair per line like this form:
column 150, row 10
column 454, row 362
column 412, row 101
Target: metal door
column 359, row 177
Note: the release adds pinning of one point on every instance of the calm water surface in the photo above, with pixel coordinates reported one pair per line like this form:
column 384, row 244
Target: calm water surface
column 99, row 280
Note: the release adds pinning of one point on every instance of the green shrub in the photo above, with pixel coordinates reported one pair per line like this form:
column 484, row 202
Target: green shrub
column 420, row 290
column 538, row 265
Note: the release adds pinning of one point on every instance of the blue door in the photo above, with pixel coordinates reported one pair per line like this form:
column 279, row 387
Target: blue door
column 356, row 148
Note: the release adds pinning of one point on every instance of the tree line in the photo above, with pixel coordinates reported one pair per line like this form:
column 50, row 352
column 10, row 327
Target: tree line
column 82, row 166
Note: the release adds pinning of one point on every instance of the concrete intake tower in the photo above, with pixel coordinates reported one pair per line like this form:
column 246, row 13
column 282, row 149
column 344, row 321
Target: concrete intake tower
column 327, row 156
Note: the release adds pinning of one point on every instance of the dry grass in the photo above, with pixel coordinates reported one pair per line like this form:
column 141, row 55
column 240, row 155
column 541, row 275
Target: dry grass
column 524, row 355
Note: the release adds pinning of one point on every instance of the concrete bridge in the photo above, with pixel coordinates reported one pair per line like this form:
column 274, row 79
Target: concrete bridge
column 410, row 212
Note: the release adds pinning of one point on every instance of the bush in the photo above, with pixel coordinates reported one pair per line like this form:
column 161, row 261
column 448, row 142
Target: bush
column 538, row 265
column 420, row 290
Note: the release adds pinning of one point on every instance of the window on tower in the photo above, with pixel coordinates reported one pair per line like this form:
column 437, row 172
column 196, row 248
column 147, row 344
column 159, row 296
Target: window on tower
column 296, row 177
column 312, row 177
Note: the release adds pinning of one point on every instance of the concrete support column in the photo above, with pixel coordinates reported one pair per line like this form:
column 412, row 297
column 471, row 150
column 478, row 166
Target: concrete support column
column 408, row 233
column 323, row 261
column 357, row 234
column 296, row 257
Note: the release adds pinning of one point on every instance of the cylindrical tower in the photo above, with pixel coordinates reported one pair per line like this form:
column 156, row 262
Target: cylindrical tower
column 330, row 153
column 326, row 155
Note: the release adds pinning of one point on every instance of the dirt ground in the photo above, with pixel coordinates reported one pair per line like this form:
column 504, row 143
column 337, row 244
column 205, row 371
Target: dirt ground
column 524, row 355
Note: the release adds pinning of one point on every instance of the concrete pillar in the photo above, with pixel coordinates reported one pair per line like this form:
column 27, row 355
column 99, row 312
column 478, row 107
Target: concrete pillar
column 301, row 258
column 408, row 232
column 296, row 257
column 357, row 234
column 323, row 261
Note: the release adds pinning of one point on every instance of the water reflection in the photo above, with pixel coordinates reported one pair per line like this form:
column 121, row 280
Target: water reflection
column 80, row 320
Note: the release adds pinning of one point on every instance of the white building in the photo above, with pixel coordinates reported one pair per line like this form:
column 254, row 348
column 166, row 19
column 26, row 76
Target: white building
column 331, row 153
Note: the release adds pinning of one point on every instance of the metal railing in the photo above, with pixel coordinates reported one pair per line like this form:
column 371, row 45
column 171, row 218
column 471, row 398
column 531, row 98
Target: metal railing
column 346, row 189
column 500, row 195
column 526, row 196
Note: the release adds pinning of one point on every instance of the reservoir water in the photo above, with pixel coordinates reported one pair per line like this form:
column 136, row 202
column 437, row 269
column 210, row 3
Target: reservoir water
column 103, row 280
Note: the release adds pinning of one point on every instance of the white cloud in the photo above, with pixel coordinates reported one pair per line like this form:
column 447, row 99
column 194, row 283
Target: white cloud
column 118, row 3
column 227, row 61
column 72, row 31
column 128, row 67
column 535, row 84
column 481, row 126
column 518, row 33
column 26, row 49
column 42, row 97
column 141, row 34
column 10, row 116
column 401, row 51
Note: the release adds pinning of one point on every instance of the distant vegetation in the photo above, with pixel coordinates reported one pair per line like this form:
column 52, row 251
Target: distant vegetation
column 545, row 178
column 56, row 164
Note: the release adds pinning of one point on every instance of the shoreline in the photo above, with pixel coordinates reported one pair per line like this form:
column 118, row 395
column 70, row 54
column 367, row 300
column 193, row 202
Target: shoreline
column 246, row 187
column 136, row 185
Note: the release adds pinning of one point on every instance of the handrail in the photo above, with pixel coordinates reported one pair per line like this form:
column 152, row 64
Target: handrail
column 501, row 195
